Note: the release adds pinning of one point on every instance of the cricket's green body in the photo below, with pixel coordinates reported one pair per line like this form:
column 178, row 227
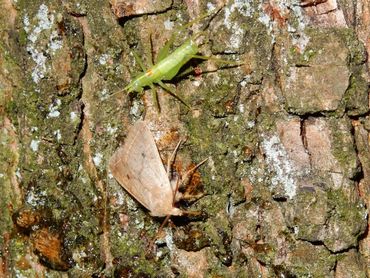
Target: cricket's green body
column 165, row 69
column 168, row 65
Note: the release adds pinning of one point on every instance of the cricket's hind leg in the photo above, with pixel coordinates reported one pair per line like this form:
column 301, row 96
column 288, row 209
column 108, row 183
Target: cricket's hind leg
column 191, row 68
column 172, row 92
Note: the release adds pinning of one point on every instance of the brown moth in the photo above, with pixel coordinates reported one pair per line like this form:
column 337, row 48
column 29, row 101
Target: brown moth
column 138, row 168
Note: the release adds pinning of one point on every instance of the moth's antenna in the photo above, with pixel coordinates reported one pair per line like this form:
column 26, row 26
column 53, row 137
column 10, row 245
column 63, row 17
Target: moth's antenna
column 172, row 158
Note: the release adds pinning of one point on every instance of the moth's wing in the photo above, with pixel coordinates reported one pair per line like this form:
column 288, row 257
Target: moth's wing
column 138, row 167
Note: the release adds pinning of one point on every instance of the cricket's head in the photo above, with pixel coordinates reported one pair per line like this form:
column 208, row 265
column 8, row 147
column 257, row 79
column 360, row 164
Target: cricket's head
column 128, row 89
column 131, row 87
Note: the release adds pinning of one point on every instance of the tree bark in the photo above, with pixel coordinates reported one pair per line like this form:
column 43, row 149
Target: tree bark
column 285, row 128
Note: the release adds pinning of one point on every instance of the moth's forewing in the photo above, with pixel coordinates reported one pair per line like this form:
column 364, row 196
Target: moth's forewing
column 138, row 167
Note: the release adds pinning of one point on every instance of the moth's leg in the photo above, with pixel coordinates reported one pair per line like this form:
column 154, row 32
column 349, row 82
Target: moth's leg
column 171, row 160
column 174, row 200
column 196, row 215
column 167, row 216
column 190, row 195
column 186, row 180
column 152, row 242
column 171, row 92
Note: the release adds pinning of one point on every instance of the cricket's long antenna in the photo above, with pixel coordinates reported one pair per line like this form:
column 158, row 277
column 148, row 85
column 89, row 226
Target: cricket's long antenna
column 201, row 17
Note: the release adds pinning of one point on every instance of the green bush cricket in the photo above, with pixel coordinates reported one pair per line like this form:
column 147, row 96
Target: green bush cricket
column 168, row 65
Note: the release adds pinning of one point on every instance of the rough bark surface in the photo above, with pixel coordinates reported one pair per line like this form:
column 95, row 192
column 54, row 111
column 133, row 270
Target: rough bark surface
column 286, row 188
